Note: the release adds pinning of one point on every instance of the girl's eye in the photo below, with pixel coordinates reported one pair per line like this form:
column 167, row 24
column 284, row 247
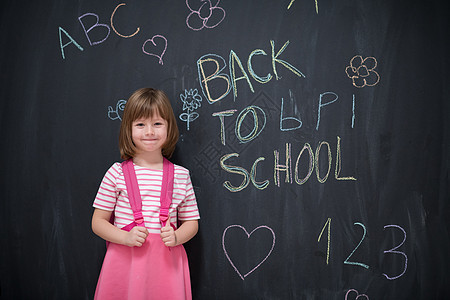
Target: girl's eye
column 139, row 124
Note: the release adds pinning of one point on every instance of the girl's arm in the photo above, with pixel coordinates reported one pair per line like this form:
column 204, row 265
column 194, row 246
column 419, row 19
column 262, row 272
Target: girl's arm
column 107, row 231
column 184, row 233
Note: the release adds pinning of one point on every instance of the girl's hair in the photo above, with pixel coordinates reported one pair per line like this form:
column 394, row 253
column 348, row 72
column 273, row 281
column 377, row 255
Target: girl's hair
column 145, row 103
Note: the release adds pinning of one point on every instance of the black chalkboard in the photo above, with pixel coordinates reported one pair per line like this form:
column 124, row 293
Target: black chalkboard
column 316, row 133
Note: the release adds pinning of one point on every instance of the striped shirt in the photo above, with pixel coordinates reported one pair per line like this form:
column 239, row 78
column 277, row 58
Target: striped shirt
column 112, row 193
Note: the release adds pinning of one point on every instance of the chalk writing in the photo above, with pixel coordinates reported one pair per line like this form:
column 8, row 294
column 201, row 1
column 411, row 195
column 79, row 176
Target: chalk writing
column 191, row 101
column 96, row 25
column 327, row 223
column 104, row 30
column 317, row 5
column 323, row 179
column 222, row 115
column 353, row 112
column 234, row 170
column 218, row 77
column 206, row 16
column 325, row 99
column 358, row 295
column 359, row 244
column 72, row 41
column 282, row 118
column 257, row 128
column 290, row 3
column 362, row 71
column 152, row 40
column 390, row 251
column 337, row 170
column 393, row 251
column 262, row 106
column 286, row 167
column 299, row 181
column 217, row 74
column 113, row 114
column 322, row 104
column 283, row 168
column 114, row 28
column 262, row 227
column 313, row 161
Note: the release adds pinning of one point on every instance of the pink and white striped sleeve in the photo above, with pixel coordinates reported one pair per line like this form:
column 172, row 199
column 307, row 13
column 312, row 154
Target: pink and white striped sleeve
column 107, row 194
column 188, row 210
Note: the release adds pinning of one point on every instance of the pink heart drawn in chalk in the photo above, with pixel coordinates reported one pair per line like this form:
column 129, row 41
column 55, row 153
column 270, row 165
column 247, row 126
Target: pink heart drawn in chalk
column 154, row 44
column 358, row 295
column 248, row 236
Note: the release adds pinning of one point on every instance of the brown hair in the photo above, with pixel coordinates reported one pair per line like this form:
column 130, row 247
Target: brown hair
column 145, row 103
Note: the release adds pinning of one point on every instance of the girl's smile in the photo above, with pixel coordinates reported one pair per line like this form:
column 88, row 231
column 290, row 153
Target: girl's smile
column 149, row 134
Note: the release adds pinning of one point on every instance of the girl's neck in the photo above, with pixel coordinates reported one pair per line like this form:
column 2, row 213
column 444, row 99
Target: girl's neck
column 149, row 161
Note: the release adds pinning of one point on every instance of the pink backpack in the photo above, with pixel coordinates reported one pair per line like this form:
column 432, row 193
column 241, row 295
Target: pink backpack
column 134, row 194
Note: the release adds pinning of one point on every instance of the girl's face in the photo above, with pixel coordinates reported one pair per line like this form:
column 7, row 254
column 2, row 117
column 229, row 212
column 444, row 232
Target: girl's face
column 149, row 134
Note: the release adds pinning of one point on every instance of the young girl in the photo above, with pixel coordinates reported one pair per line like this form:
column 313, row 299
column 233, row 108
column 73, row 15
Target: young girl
column 149, row 261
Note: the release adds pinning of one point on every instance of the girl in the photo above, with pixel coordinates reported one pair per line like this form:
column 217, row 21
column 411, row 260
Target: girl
column 149, row 261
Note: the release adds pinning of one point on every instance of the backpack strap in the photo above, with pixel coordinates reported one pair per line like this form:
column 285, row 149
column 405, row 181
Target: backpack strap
column 134, row 194
column 166, row 191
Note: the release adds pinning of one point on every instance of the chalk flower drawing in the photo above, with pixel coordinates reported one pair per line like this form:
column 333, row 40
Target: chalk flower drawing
column 114, row 114
column 207, row 15
column 362, row 71
column 191, row 101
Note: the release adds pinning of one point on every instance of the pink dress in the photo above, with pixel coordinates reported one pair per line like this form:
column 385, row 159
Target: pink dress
column 152, row 271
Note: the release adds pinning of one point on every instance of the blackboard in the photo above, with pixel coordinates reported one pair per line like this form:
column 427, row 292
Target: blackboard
column 316, row 134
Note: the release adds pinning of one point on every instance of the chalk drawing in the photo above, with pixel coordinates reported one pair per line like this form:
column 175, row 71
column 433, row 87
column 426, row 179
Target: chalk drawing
column 212, row 58
column 357, row 263
column 306, row 146
column 282, row 118
column 95, row 26
column 243, row 276
column 358, row 295
column 206, row 16
column 114, row 28
column 257, row 126
column 337, row 170
column 328, row 222
column 152, row 40
column 282, row 168
column 323, row 179
column 222, row 115
column 113, row 114
column 72, row 41
column 317, row 5
column 393, row 251
column 191, row 101
column 362, row 71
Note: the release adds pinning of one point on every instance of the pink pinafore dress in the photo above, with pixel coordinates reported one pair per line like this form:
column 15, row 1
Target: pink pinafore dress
column 152, row 271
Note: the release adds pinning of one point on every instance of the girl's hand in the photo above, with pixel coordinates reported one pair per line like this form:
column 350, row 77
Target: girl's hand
column 136, row 236
column 168, row 235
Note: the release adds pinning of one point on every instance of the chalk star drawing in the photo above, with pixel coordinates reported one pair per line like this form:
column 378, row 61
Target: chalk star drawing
column 114, row 114
column 262, row 227
column 191, row 101
column 206, row 16
column 362, row 71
